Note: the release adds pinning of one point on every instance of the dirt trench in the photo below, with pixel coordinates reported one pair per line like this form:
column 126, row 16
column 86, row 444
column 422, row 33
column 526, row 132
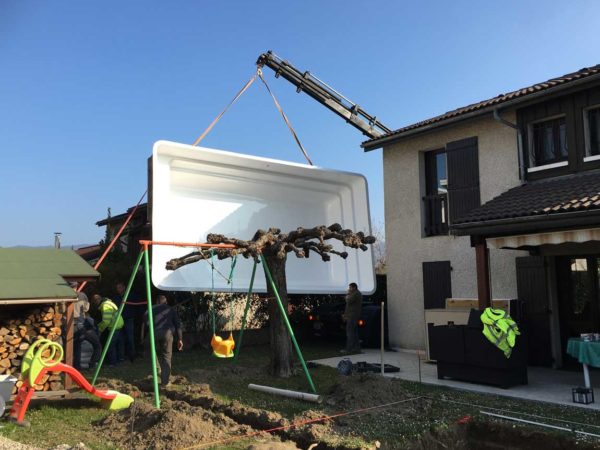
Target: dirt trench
column 191, row 416
column 194, row 416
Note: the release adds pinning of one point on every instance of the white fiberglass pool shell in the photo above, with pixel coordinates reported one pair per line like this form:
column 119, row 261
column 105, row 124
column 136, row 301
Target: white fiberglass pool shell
column 196, row 191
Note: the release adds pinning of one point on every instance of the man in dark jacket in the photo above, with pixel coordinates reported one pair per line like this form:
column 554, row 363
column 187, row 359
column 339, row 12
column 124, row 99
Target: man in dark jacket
column 351, row 316
column 167, row 325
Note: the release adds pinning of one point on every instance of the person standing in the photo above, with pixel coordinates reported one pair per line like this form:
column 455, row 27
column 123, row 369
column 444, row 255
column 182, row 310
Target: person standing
column 167, row 326
column 108, row 314
column 351, row 316
column 84, row 330
column 127, row 334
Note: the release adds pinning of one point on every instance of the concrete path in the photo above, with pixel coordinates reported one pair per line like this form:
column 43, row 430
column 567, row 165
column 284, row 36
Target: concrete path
column 548, row 385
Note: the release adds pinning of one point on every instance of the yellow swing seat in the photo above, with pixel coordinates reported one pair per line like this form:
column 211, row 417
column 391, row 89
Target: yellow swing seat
column 222, row 348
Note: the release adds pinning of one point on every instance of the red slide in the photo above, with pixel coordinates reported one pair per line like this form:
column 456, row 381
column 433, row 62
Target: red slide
column 110, row 399
column 84, row 384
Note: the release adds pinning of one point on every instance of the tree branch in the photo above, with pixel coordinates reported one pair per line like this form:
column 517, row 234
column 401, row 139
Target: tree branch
column 300, row 241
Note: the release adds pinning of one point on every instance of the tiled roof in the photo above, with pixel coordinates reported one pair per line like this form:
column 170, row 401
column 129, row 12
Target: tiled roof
column 579, row 192
column 497, row 101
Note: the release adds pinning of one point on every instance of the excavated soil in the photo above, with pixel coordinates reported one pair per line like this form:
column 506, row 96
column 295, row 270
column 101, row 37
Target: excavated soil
column 191, row 414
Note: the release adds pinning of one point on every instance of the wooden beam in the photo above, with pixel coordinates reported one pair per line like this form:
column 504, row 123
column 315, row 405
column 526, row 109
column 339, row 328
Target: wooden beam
column 69, row 334
column 482, row 260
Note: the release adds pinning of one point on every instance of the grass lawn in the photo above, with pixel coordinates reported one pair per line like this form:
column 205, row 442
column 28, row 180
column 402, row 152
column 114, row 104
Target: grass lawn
column 71, row 421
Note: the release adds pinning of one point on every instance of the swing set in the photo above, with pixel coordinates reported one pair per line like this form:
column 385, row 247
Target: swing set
column 222, row 348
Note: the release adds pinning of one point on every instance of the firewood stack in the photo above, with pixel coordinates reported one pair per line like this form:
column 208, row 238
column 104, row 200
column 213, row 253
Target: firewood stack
column 16, row 335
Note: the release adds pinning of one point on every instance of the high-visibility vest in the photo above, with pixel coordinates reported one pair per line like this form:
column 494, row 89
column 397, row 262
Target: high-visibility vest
column 500, row 329
column 109, row 312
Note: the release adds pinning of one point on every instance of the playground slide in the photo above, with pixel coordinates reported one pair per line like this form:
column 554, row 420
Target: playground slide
column 44, row 356
column 110, row 399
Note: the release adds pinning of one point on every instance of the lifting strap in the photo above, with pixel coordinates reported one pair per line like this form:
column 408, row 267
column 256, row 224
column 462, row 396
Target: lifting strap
column 287, row 122
column 235, row 99
column 277, row 105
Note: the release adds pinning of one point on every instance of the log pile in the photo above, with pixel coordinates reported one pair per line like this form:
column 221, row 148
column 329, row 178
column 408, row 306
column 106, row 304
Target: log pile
column 17, row 334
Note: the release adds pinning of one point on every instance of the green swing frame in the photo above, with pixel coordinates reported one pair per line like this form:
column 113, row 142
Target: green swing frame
column 143, row 255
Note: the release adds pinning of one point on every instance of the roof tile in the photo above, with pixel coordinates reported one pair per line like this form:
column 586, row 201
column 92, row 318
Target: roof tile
column 497, row 100
column 578, row 192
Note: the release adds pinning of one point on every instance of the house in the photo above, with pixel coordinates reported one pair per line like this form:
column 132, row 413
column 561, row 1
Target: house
column 499, row 200
column 138, row 228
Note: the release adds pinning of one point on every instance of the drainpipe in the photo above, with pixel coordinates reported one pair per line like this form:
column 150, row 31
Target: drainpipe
column 519, row 142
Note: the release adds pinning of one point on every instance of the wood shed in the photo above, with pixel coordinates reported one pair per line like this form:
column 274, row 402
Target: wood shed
column 37, row 300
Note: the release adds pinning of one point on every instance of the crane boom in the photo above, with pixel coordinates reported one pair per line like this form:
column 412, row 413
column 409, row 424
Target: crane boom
column 324, row 94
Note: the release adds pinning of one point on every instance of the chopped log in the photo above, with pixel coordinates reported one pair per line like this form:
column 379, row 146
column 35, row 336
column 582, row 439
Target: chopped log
column 18, row 333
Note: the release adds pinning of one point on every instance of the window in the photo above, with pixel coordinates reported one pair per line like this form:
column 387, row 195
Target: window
column 548, row 143
column 436, row 198
column 591, row 121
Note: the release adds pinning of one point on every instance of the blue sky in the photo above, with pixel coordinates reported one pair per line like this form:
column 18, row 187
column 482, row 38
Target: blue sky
column 86, row 88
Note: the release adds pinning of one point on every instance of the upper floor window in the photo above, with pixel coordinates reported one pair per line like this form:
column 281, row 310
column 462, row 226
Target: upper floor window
column 436, row 194
column 548, row 143
column 591, row 122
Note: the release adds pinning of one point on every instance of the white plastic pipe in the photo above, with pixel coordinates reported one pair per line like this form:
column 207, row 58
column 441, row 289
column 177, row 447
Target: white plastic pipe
column 286, row 393
column 546, row 425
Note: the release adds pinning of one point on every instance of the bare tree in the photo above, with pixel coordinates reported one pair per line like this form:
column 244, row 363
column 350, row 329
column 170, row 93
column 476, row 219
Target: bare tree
column 379, row 249
column 274, row 246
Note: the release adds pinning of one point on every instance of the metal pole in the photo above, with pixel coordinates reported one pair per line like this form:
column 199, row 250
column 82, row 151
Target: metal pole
column 116, row 319
column 151, row 327
column 238, row 346
column 382, row 338
column 287, row 322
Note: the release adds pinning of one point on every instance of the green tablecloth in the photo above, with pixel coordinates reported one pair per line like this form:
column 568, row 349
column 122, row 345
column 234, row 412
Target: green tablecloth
column 585, row 352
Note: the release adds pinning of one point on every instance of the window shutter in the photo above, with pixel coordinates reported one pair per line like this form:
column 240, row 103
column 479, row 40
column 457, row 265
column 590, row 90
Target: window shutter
column 437, row 284
column 463, row 177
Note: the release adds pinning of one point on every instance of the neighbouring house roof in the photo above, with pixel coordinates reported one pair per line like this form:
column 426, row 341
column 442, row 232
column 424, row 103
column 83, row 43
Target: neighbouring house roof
column 89, row 252
column 502, row 100
column 142, row 210
column 571, row 197
column 41, row 273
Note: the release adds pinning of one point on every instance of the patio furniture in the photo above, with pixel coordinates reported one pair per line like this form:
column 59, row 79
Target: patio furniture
column 587, row 353
column 463, row 353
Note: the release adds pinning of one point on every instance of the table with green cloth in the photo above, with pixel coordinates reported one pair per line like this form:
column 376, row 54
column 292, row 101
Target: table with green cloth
column 587, row 353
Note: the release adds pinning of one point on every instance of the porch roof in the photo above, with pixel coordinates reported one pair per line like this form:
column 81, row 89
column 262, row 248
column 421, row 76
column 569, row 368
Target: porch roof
column 557, row 203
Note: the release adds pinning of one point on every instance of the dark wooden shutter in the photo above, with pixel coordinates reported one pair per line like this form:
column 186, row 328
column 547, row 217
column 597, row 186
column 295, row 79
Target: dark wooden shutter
column 532, row 289
column 462, row 161
column 437, row 284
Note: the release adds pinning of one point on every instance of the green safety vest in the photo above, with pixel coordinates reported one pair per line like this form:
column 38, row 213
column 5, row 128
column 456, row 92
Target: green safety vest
column 500, row 329
column 109, row 312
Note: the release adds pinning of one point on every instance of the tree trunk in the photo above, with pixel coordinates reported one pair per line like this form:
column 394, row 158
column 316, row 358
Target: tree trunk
column 281, row 344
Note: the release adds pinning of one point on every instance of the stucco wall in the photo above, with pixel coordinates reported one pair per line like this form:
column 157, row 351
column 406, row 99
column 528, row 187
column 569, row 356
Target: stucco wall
column 407, row 249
